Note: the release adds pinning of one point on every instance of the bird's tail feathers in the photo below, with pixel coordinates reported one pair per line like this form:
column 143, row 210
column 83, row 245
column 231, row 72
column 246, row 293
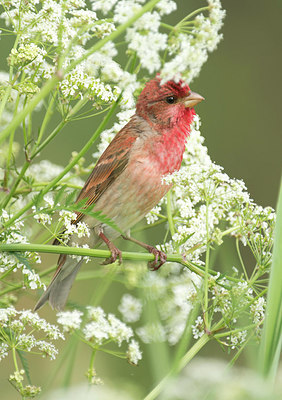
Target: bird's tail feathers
column 58, row 290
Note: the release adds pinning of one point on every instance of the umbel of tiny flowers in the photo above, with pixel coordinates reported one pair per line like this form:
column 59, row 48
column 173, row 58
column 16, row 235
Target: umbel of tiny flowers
column 24, row 332
column 98, row 330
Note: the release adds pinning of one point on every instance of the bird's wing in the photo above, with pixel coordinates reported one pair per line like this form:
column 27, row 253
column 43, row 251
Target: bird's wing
column 110, row 165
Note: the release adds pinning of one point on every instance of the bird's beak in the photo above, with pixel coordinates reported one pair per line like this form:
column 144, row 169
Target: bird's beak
column 192, row 99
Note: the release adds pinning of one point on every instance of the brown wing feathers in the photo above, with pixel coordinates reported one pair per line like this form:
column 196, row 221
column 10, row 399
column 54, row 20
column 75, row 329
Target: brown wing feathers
column 110, row 165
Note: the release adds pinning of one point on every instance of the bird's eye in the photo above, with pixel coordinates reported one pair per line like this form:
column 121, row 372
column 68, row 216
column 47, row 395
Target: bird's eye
column 170, row 99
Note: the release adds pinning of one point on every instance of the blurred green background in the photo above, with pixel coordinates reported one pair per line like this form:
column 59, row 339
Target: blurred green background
column 241, row 121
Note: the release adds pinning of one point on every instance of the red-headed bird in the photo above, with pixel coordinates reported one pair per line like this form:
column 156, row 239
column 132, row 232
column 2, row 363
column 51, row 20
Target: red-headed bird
column 126, row 183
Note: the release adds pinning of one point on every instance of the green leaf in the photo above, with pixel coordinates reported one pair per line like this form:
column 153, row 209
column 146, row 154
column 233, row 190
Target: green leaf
column 70, row 199
column 38, row 199
column 24, row 364
column 59, row 195
column 270, row 347
column 22, row 259
column 99, row 216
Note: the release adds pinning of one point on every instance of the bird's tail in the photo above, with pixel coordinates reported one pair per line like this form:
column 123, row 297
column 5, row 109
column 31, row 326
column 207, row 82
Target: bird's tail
column 59, row 288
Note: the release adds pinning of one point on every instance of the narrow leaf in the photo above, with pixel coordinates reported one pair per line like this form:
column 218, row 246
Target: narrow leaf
column 24, row 364
column 270, row 347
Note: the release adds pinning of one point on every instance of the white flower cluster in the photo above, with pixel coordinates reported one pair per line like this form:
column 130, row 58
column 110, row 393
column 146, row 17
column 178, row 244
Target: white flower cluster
column 101, row 329
column 26, row 54
column 204, row 197
column 173, row 292
column 70, row 320
column 134, row 354
column 237, row 339
column 11, row 262
column 68, row 26
column 198, row 328
column 44, row 214
column 256, row 229
column 188, row 46
column 258, row 310
column 22, row 326
column 130, row 307
column 61, row 24
column 28, row 391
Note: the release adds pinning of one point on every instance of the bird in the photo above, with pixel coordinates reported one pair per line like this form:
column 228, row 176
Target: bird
column 126, row 182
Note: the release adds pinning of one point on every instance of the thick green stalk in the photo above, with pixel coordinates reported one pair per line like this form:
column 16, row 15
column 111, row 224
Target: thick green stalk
column 270, row 347
column 46, row 119
column 18, row 180
column 206, row 277
column 169, row 214
column 182, row 363
column 44, row 248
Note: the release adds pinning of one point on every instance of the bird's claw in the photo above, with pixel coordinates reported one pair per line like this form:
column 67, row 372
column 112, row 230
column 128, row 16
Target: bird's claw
column 160, row 258
column 116, row 254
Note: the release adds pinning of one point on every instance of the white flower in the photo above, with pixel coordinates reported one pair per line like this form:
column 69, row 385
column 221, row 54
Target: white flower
column 237, row 339
column 258, row 310
column 3, row 350
column 119, row 331
column 124, row 10
column 133, row 353
column 130, row 307
column 166, row 6
column 152, row 333
column 198, row 328
column 70, row 320
column 97, row 332
column 20, row 326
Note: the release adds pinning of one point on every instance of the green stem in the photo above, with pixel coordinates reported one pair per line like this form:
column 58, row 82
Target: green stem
column 206, row 277
column 44, row 248
column 53, row 134
column 232, row 331
column 192, row 15
column 92, row 358
column 169, row 214
column 40, row 185
column 241, row 259
column 18, row 180
column 20, row 385
column 167, row 26
column 182, row 363
column 46, row 119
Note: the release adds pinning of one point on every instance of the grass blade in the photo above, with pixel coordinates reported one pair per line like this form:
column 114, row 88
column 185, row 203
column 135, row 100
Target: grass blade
column 270, row 347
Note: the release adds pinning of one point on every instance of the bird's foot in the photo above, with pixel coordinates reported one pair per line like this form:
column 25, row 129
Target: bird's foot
column 160, row 258
column 115, row 252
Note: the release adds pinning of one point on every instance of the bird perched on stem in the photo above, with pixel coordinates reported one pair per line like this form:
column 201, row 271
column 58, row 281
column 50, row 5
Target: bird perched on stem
column 126, row 183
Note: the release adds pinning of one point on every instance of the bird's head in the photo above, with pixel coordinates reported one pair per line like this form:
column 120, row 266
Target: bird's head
column 168, row 105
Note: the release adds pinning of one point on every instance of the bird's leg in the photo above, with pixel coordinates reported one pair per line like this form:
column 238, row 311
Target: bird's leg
column 160, row 256
column 116, row 253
